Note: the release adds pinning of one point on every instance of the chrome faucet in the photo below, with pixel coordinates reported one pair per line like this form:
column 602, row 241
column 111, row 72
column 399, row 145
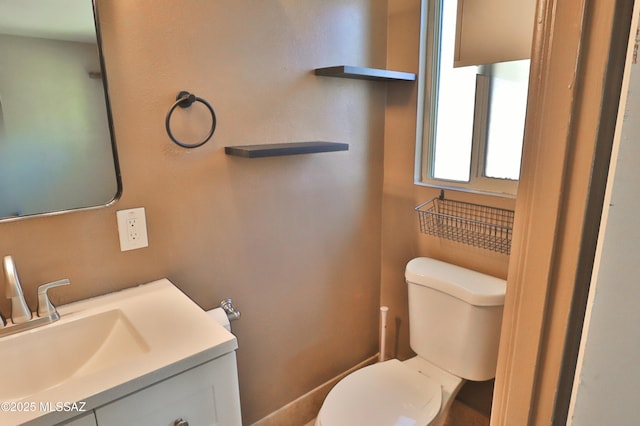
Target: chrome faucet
column 21, row 316
column 20, row 312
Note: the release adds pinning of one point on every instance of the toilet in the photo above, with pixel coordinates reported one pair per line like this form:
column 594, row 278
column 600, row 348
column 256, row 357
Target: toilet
column 455, row 316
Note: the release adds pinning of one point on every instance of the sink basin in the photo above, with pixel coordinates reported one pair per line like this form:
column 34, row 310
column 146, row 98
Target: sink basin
column 48, row 356
column 105, row 348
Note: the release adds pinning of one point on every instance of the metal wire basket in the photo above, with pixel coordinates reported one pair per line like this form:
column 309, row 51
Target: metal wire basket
column 480, row 226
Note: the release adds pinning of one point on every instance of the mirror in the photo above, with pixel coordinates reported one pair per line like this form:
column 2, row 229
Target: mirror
column 57, row 151
column 472, row 86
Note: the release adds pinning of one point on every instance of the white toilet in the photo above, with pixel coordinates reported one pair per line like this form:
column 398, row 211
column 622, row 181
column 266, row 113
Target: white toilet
column 455, row 316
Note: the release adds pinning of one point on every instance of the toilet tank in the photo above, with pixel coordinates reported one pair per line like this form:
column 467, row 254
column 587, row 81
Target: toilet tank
column 455, row 315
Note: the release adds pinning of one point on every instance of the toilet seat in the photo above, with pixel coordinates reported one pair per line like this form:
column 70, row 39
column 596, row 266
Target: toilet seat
column 389, row 393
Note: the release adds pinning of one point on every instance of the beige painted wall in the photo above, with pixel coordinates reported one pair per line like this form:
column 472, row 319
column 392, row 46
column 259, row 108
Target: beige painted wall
column 294, row 240
column 401, row 239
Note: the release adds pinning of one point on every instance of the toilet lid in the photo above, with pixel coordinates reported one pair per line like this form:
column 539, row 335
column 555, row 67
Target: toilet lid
column 386, row 394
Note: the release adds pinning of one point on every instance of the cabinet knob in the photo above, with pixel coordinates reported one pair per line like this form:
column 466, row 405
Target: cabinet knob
column 180, row 422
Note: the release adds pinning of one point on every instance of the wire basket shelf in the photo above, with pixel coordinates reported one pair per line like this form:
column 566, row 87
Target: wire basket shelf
column 489, row 228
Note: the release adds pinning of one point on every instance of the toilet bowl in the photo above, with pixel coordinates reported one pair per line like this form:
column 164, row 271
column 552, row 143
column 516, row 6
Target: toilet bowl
column 391, row 393
column 455, row 316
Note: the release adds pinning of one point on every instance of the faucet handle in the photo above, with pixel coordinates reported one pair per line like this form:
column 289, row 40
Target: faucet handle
column 45, row 308
column 20, row 311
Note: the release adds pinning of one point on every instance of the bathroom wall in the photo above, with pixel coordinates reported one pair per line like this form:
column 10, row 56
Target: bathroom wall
column 295, row 241
column 401, row 238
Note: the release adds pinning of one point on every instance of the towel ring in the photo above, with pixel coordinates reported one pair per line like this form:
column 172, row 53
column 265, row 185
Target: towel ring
column 185, row 99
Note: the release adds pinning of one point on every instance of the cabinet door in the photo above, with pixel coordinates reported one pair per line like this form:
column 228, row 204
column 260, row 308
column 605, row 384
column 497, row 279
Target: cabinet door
column 490, row 31
column 203, row 396
column 88, row 419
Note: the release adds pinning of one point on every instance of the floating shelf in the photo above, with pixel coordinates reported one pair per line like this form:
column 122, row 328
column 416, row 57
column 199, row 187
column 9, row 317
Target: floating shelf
column 290, row 148
column 347, row 71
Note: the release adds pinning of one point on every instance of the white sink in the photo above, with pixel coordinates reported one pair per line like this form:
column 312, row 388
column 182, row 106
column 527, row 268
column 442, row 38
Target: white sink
column 48, row 356
column 105, row 348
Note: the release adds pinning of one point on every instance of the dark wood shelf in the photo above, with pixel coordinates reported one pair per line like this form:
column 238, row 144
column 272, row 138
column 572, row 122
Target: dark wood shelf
column 362, row 73
column 289, row 148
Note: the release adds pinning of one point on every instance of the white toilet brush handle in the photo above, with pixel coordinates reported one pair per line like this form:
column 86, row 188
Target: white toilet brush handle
column 383, row 331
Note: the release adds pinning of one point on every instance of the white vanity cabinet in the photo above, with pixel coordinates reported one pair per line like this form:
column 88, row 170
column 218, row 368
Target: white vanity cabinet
column 206, row 395
column 87, row 419
column 147, row 355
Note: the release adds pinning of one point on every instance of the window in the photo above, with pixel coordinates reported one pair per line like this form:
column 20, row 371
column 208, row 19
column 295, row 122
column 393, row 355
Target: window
column 471, row 118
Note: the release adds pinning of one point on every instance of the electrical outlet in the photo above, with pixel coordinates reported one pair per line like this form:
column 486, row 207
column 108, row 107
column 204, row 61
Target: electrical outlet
column 132, row 228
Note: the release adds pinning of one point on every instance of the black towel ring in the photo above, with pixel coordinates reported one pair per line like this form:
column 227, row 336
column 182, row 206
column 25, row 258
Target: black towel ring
column 184, row 99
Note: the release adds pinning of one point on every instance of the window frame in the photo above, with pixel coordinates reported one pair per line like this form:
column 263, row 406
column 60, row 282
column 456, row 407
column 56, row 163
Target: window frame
column 428, row 80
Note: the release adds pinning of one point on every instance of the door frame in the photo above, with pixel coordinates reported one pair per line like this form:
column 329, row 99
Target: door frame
column 578, row 53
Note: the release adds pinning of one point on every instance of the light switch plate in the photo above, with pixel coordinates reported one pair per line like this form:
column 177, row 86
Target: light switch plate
column 132, row 228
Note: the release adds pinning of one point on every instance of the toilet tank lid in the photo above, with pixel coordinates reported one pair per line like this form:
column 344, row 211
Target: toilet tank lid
column 473, row 287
